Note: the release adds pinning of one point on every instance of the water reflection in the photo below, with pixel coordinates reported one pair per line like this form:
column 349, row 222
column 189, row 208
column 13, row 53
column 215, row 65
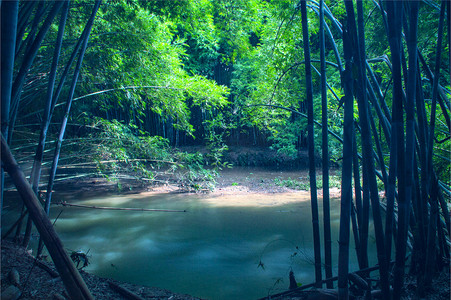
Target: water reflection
column 212, row 251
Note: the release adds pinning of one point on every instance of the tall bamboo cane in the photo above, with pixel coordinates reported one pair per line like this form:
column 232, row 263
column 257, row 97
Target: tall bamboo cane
column 432, row 181
column 66, row 117
column 311, row 145
column 26, row 64
column 404, row 208
column 325, row 153
column 9, row 12
column 367, row 149
column 69, row 102
column 50, row 105
column 346, row 170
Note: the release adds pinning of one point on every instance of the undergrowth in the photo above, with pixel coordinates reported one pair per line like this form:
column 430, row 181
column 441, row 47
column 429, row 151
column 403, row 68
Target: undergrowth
column 304, row 183
column 124, row 149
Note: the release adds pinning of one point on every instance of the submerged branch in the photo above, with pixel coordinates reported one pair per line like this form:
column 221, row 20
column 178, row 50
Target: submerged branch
column 310, row 285
column 119, row 208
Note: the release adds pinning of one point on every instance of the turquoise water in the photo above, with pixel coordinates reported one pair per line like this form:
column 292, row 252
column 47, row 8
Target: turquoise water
column 222, row 247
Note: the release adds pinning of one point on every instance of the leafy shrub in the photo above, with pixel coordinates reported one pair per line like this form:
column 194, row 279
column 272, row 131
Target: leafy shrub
column 126, row 149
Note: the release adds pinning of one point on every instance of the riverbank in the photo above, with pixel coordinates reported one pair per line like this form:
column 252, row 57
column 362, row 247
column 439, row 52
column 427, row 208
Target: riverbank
column 234, row 181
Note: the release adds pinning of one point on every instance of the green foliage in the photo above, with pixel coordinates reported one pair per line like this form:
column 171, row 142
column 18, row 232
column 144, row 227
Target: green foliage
column 304, row 183
column 122, row 150
column 293, row 183
column 205, row 72
column 127, row 150
column 216, row 147
column 134, row 47
column 285, row 138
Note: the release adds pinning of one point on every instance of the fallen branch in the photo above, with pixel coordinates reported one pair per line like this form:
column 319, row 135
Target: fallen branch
column 119, row 208
column 310, row 285
column 124, row 292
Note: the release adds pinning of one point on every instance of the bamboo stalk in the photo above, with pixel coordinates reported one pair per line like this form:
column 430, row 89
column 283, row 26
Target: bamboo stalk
column 26, row 64
column 37, row 164
column 362, row 206
column 358, row 35
column 432, row 181
column 83, row 42
column 325, row 155
column 404, row 207
column 346, row 184
column 310, row 285
column 72, row 280
column 8, row 27
column 311, row 145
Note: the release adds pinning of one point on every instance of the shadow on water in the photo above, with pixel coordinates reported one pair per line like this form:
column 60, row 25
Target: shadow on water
column 223, row 247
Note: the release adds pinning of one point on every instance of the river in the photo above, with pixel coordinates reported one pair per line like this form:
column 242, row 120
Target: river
column 223, row 247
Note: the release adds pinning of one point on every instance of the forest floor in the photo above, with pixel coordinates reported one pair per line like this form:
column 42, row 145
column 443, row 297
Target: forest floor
column 36, row 283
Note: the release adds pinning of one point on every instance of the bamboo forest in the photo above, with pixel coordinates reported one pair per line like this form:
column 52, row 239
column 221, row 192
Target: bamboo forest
column 225, row 149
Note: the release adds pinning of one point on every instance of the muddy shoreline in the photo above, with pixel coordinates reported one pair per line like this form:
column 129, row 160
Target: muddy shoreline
column 237, row 180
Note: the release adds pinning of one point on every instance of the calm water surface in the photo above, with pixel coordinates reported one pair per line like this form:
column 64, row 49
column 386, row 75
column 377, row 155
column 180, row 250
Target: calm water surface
column 212, row 251
column 223, row 247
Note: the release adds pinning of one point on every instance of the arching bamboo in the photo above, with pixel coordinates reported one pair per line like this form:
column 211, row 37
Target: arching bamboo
column 26, row 64
column 39, row 154
column 65, row 118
